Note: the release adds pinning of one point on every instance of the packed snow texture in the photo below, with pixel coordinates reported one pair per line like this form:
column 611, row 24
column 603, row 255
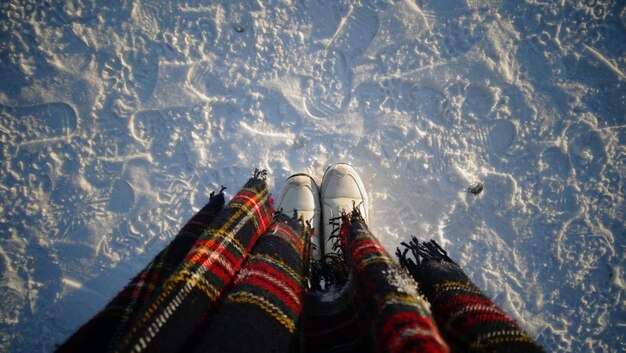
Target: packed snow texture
column 117, row 119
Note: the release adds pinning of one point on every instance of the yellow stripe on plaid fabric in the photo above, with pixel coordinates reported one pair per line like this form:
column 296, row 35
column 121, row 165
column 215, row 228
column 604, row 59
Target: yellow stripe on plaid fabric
column 266, row 306
column 296, row 243
column 191, row 274
column 295, row 275
column 400, row 322
column 200, row 279
column 456, row 286
column 406, row 299
column 105, row 330
column 469, row 319
column 484, row 344
column 261, row 310
column 375, row 261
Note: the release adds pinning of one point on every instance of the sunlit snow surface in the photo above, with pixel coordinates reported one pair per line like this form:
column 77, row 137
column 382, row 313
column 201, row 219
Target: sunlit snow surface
column 117, row 119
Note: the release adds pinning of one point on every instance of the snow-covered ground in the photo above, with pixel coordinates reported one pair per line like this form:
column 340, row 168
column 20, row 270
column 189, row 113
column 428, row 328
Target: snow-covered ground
column 118, row 118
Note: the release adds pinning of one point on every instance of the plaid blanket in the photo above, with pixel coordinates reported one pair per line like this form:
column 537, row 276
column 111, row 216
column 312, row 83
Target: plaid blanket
column 189, row 294
column 236, row 279
column 399, row 316
column 261, row 311
column 470, row 321
column 107, row 327
column 162, row 307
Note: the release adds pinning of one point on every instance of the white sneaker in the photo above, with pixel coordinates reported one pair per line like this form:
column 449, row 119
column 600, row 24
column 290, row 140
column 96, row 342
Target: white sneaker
column 300, row 193
column 342, row 189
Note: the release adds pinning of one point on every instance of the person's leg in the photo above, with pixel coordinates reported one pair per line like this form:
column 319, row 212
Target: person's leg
column 188, row 295
column 468, row 318
column 112, row 322
column 400, row 318
column 262, row 310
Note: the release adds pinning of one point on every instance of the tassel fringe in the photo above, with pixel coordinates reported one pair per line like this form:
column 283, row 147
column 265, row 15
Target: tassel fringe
column 422, row 252
column 260, row 174
column 219, row 193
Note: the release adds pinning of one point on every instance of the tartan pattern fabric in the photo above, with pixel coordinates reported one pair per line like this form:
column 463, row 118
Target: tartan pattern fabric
column 188, row 295
column 109, row 324
column 261, row 311
column 400, row 317
column 469, row 319
column 234, row 280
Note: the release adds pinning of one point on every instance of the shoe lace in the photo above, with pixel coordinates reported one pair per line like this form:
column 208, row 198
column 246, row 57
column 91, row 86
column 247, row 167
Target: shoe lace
column 334, row 235
column 331, row 269
column 336, row 222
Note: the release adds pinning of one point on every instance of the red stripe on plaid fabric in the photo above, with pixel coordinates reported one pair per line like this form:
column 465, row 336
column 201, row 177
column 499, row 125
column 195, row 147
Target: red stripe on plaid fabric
column 205, row 248
column 215, row 258
column 465, row 299
column 251, row 200
column 222, row 271
column 464, row 310
column 274, row 288
column 402, row 320
column 469, row 319
column 294, row 239
column 364, row 247
column 105, row 329
column 401, row 323
column 260, row 312
column 408, row 332
column 475, row 319
column 278, row 283
column 270, row 270
column 181, row 304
